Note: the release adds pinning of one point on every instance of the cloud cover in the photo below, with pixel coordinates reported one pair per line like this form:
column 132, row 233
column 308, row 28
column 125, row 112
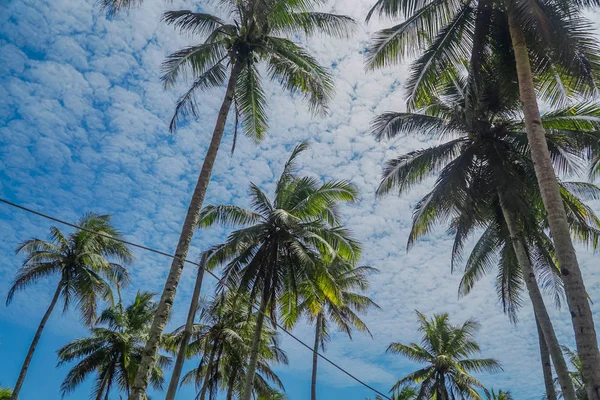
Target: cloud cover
column 84, row 128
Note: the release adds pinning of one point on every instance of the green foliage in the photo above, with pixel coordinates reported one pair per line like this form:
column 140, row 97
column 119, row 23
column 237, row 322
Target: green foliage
column 113, row 351
column 81, row 260
column 5, row 393
column 445, row 350
column 445, row 33
column 501, row 395
column 251, row 34
column 285, row 240
column 485, row 153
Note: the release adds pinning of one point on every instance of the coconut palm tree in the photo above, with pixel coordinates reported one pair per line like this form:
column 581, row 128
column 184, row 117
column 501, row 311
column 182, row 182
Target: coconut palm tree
column 321, row 311
column 231, row 51
column 487, row 180
column 445, row 350
column 113, row 352
column 85, row 263
column 222, row 339
column 545, row 38
column 282, row 243
column 576, row 375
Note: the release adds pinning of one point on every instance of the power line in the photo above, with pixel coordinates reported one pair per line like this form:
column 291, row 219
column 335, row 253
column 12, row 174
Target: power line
column 162, row 253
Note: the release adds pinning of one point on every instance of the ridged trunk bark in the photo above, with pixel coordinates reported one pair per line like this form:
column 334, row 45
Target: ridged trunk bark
column 165, row 304
column 581, row 313
column 539, row 308
column 546, row 365
column 32, row 347
column 187, row 334
column 313, row 382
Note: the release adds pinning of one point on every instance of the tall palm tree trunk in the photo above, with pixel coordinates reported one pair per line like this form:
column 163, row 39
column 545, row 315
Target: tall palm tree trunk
column 34, row 343
column 313, row 383
column 581, row 313
column 539, row 308
column 163, row 312
column 546, row 365
column 209, row 366
column 260, row 320
column 187, row 334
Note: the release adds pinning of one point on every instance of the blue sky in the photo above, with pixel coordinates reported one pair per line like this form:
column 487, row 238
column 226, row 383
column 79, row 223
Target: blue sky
column 83, row 127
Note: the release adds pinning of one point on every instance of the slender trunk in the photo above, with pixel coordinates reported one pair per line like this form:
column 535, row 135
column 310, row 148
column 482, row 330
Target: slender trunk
column 187, row 334
column 230, row 386
column 313, row 383
column 581, row 313
column 539, row 308
column 208, row 373
column 163, row 312
column 34, row 343
column 546, row 365
column 260, row 319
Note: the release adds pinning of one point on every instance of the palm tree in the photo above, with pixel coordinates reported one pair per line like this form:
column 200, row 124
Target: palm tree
column 445, row 349
column 223, row 339
column 499, row 396
column 82, row 261
column 113, row 352
column 282, row 243
column 487, row 180
column 549, row 39
column 321, row 310
column 231, row 50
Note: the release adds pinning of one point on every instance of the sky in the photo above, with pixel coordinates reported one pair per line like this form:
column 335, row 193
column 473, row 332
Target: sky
column 84, row 127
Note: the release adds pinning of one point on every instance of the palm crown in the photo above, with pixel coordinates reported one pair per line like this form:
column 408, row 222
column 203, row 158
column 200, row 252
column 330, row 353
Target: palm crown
column 563, row 51
column 82, row 260
column 446, row 350
column 114, row 351
column 253, row 34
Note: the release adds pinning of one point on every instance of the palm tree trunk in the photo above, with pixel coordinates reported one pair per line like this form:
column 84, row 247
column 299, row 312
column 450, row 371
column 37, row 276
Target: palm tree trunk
column 313, row 383
column 260, row 319
column 539, row 308
column 546, row 365
column 208, row 373
column 187, row 334
column 581, row 314
column 34, row 343
column 230, row 386
column 163, row 312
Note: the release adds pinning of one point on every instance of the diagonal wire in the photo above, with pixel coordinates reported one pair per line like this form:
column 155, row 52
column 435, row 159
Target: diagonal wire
column 162, row 253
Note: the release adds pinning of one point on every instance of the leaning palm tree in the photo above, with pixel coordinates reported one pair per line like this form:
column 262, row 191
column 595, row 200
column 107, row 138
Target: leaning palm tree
column 349, row 282
column 113, row 352
column 222, row 339
column 576, row 374
column 231, row 52
column 486, row 179
column 545, row 38
column 282, row 243
column 445, row 350
column 82, row 261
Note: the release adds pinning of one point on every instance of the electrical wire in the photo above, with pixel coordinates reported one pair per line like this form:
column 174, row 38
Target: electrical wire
column 162, row 253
